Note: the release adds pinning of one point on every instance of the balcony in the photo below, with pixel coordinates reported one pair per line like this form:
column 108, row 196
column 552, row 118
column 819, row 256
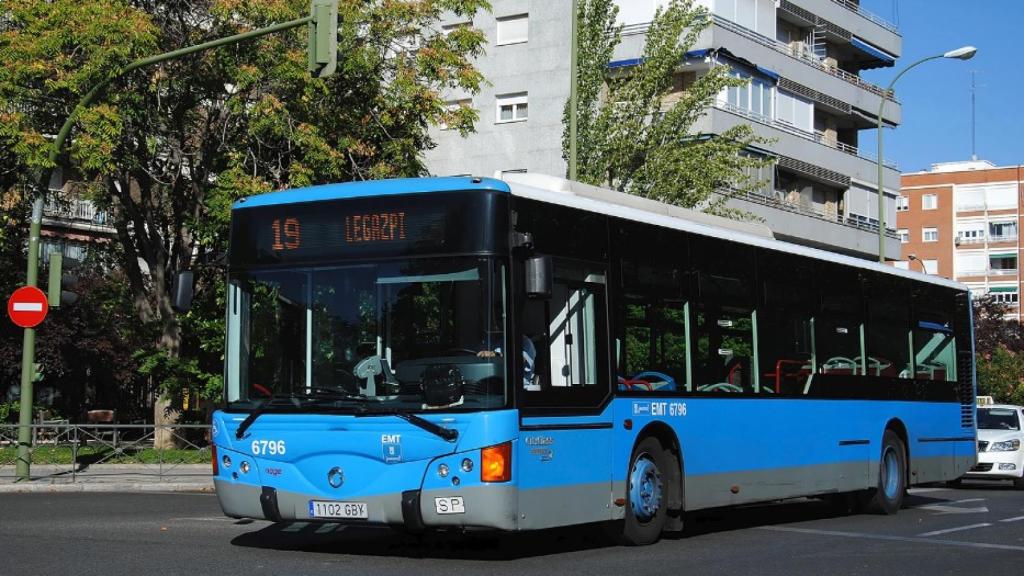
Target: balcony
column 803, row 56
column 855, row 7
column 818, row 137
column 76, row 213
column 974, row 241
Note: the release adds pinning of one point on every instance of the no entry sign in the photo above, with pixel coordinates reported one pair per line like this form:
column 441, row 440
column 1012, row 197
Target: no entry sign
column 27, row 306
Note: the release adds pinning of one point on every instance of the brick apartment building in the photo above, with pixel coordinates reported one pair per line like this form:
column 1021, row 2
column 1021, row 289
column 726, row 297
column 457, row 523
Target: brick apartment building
column 962, row 220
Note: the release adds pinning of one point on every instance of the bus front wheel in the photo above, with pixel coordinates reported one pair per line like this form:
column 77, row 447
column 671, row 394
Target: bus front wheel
column 887, row 497
column 646, row 494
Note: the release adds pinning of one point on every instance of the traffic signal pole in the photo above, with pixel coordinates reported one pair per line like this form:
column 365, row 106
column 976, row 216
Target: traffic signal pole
column 322, row 21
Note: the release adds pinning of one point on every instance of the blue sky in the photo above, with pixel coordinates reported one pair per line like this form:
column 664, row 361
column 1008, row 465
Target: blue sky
column 936, row 96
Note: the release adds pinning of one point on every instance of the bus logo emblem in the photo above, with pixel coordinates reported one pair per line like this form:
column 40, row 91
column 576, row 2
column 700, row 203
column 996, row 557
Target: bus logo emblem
column 391, row 447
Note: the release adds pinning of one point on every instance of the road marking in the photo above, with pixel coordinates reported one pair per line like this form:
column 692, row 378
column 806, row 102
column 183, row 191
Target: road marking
column 212, row 519
column 295, row 527
column 957, row 529
column 1015, row 519
column 894, row 538
column 946, row 509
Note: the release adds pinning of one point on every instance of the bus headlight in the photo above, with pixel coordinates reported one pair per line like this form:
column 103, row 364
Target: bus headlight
column 1007, row 446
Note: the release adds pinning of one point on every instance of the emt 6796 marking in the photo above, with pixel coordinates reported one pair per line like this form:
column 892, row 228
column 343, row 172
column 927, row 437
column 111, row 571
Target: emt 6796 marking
column 271, row 447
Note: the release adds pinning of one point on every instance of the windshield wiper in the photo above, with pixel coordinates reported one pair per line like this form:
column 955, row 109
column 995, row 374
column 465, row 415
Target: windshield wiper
column 315, row 393
column 448, row 434
column 257, row 411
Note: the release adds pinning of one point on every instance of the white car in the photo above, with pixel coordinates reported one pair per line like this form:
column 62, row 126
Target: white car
column 1000, row 435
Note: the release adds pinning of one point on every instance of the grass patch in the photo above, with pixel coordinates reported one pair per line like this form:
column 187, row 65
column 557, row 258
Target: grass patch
column 107, row 455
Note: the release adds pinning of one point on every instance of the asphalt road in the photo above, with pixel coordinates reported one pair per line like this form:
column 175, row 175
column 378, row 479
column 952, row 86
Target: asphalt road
column 977, row 529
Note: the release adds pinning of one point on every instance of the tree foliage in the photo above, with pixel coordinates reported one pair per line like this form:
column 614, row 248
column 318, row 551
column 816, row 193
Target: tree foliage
column 632, row 138
column 167, row 149
column 999, row 349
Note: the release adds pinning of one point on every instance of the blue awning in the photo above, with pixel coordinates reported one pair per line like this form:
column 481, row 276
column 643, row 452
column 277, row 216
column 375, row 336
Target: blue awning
column 769, row 73
column 884, row 57
column 625, row 63
column 934, row 326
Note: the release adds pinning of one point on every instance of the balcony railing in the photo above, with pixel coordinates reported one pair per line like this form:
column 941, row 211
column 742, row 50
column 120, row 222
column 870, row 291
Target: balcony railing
column 1002, row 271
column 818, row 137
column 803, row 56
column 859, row 222
column 76, row 210
column 855, row 7
column 961, row 240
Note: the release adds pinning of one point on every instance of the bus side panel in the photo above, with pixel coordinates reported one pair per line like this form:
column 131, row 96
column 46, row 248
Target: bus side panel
column 740, row 450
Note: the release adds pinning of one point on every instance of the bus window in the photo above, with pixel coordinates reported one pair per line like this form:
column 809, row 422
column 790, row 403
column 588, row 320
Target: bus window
column 888, row 327
column 655, row 347
column 838, row 329
column 724, row 349
column 934, row 352
column 785, row 323
column 568, row 334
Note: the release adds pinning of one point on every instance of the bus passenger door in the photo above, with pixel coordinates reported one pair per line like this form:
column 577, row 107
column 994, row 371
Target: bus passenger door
column 564, row 452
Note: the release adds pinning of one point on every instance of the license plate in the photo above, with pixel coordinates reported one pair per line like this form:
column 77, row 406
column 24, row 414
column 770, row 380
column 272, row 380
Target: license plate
column 325, row 509
column 450, row 505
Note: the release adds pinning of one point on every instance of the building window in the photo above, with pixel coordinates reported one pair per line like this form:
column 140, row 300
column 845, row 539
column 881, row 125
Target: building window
column 971, row 233
column 1002, row 264
column 513, row 29
column 904, row 235
column 449, row 28
column 512, row 108
column 795, row 111
column 930, row 235
column 1003, row 231
column 902, row 203
column 901, row 264
column 929, row 202
column 1005, row 294
column 931, row 266
column 453, row 105
column 513, row 171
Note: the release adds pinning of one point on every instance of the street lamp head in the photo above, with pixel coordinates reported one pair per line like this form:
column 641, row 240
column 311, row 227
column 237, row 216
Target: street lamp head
column 963, row 53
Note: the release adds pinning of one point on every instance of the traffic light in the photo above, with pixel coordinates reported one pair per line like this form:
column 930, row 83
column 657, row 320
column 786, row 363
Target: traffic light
column 61, row 286
column 323, row 38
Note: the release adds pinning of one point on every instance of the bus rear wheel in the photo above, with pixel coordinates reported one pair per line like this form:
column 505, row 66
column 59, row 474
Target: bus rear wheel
column 887, row 497
column 646, row 494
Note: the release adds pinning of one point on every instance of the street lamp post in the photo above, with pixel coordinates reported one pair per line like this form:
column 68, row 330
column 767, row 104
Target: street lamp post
column 964, row 53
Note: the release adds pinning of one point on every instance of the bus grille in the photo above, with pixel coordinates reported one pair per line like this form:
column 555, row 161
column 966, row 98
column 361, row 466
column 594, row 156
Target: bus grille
column 982, row 446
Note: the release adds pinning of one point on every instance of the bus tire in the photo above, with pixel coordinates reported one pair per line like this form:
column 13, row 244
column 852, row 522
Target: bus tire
column 646, row 494
column 887, row 496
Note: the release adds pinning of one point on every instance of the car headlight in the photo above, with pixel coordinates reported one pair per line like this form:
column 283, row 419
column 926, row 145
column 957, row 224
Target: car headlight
column 1008, row 446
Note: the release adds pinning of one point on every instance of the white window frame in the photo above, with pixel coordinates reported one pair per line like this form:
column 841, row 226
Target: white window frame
column 902, row 203
column 927, row 199
column 517, row 101
column 904, row 235
column 931, row 267
column 902, row 264
column 926, row 231
column 447, row 29
column 500, row 41
column 453, row 105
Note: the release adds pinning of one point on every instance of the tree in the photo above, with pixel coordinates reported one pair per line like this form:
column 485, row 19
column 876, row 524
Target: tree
column 999, row 351
column 168, row 149
column 632, row 139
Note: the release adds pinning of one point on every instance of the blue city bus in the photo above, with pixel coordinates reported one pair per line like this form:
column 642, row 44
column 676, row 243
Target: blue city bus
column 480, row 354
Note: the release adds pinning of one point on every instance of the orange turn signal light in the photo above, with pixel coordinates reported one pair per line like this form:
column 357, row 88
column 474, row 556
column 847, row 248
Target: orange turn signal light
column 496, row 463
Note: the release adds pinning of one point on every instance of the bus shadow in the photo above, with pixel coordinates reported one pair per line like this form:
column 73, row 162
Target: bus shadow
column 487, row 546
column 366, row 541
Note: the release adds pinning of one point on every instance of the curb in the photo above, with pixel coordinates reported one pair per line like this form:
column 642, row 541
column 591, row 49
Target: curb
column 183, row 487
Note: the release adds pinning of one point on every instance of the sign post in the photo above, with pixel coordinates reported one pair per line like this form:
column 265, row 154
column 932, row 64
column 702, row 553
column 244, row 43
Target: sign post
column 27, row 307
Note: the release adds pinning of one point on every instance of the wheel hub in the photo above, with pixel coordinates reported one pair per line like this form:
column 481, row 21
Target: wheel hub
column 645, row 488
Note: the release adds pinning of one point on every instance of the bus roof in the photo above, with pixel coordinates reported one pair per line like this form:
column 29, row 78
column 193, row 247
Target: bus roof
column 620, row 205
column 564, row 192
column 367, row 188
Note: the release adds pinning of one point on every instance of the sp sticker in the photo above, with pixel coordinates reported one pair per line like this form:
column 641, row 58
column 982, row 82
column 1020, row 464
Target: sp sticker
column 391, row 447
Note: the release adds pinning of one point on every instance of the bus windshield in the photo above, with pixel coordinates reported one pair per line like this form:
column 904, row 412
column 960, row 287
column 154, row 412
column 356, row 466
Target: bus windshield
column 395, row 335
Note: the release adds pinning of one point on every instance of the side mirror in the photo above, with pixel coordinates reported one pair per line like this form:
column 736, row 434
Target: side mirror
column 538, row 277
column 181, row 292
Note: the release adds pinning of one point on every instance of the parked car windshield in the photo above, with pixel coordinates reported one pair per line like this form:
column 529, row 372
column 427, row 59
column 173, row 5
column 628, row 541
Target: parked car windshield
column 998, row 419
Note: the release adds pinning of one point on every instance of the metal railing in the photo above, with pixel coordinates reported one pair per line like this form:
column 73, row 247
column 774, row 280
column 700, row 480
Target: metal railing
column 827, row 216
column 855, row 7
column 76, row 209
column 818, row 137
column 802, row 55
column 63, row 452
column 985, row 239
column 795, row 51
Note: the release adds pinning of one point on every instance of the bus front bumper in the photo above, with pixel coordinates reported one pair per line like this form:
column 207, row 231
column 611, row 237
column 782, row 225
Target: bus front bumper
column 486, row 507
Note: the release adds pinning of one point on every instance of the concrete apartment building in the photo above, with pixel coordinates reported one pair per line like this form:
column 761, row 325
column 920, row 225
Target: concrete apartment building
column 71, row 224
column 962, row 220
column 802, row 57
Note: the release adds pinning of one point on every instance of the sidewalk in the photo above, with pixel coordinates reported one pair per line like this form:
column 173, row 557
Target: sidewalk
column 110, row 478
